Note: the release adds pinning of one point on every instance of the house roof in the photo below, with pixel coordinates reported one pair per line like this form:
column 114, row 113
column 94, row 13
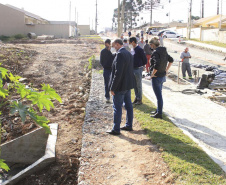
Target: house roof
column 200, row 21
column 26, row 12
column 217, row 20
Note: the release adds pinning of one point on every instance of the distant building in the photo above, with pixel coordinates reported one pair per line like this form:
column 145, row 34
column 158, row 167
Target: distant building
column 212, row 21
column 18, row 21
column 84, row 29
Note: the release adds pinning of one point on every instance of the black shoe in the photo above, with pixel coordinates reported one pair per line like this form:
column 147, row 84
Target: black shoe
column 112, row 132
column 126, row 128
column 135, row 101
column 154, row 112
column 157, row 116
column 139, row 102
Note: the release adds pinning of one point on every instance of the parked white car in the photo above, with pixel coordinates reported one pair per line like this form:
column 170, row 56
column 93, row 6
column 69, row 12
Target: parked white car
column 153, row 32
column 171, row 34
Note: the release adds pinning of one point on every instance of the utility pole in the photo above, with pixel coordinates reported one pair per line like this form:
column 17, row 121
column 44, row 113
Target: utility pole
column 70, row 13
column 96, row 18
column 75, row 16
column 119, row 18
column 202, row 8
column 122, row 16
column 169, row 12
column 220, row 16
column 217, row 7
column 189, row 21
column 151, row 13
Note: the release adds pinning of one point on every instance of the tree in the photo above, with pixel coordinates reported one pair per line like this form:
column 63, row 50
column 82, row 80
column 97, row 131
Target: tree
column 150, row 5
column 131, row 12
column 195, row 17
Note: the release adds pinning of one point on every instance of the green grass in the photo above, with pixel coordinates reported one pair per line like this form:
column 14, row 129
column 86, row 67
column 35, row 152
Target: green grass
column 189, row 163
column 11, row 38
column 215, row 43
column 92, row 37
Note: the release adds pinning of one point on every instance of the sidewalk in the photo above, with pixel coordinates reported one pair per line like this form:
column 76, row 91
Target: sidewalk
column 129, row 158
column 203, row 45
column 201, row 119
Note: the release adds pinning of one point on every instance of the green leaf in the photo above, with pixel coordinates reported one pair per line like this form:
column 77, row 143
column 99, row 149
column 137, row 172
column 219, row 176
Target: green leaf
column 40, row 120
column 20, row 108
column 22, row 90
column 51, row 92
column 3, row 92
column 13, row 78
column 3, row 73
column 41, row 100
column 3, row 165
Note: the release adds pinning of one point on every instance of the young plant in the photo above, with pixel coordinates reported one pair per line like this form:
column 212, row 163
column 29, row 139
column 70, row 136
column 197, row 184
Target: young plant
column 30, row 103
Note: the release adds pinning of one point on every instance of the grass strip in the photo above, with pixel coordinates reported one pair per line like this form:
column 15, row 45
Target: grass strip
column 186, row 160
column 214, row 43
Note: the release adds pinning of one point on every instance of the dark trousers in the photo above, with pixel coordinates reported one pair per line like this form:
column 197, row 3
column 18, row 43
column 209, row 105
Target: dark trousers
column 157, row 83
column 138, row 87
column 118, row 99
column 106, row 74
column 186, row 67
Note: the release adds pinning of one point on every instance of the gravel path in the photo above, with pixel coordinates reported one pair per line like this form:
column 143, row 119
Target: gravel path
column 126, row 159
column 203, row 120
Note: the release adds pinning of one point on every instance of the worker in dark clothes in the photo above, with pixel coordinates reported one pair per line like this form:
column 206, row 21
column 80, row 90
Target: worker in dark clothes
column 106, row 60
column 140, row 61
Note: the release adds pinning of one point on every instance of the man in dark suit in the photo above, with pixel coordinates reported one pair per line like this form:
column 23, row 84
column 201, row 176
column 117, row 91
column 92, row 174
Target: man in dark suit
column 121, row 82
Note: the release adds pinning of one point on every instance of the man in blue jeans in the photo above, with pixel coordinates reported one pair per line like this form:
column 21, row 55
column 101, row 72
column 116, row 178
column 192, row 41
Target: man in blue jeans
column 140, row 61
column 120, row 85
column 106, row 59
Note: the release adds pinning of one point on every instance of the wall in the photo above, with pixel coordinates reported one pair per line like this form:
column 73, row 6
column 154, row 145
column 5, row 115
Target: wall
column 182, row 31
column 222, row 36
column 84, row 29
column 195, row 33
column 58, row 30
column 11, row 21
column 210, row 35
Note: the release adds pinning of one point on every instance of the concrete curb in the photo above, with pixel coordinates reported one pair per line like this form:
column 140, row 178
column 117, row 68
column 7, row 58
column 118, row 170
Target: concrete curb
column 201, row 144
column 44, row 161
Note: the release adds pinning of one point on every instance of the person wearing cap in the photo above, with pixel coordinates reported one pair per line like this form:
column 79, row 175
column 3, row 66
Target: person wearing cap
column 106, row 60
column 161, row 61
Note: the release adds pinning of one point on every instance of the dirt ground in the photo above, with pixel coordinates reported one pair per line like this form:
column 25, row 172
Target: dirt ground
column 65, row 67
column 127, row 159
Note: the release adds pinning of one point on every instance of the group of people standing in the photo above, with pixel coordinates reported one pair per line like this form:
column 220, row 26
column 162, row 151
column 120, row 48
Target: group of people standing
column 123, row 72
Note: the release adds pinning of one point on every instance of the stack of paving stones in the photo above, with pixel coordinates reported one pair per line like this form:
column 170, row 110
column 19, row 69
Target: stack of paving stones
column 219, row 80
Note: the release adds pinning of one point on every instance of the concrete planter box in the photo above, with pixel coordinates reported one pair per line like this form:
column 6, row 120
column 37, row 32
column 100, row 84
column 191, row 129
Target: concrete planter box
column 30, row 152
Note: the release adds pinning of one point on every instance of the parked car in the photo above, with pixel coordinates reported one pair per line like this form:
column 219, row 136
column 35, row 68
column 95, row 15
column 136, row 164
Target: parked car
column 153, row 32
column 171, row 34
column 162, row 31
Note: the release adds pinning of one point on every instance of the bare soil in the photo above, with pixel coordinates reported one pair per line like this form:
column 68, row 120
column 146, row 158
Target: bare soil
column 127, row 159
column 65, row 67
